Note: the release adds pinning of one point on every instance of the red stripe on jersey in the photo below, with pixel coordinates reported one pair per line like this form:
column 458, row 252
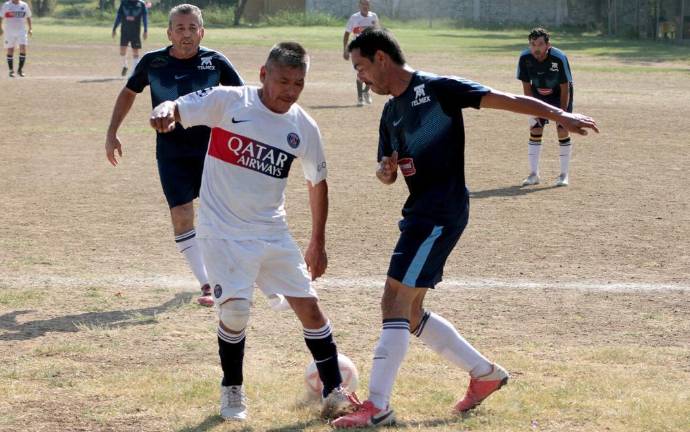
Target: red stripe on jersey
column 545, row 91
column 247, row 153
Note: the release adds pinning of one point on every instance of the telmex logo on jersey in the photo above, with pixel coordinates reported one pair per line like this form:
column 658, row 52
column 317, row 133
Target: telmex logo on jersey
column 245, row 152
column 206, row 64
column 420, row 96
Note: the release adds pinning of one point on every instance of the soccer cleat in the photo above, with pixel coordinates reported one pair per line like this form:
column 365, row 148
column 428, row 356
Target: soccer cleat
column 124, row 70
column 233, row 403
column 206, row 298
column 367, row 98
column 480, row 388
column 360, row 101
column 562, row 180
column 338, row 403
column 11, row 74
column 366, row 415
column 21, row 73
column 531, row 180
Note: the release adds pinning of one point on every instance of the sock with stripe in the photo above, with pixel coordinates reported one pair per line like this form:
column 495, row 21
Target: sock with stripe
column 534, row 152
column 441, row 336
column 187, row 245
column 388, row 356
column 135, row 62
column 231, row 352
column 10, row 61
column 322, row 346
column 124, row 60
column 22, row 59
column 566, row 149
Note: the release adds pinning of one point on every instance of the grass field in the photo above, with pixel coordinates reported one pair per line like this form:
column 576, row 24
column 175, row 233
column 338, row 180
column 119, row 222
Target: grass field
column 583, row 293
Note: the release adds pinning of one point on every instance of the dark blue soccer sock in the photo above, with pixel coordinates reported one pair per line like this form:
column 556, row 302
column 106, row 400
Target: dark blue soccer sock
column 22, row 59
column 231, row 352
column 10, row 62
column 322, row 346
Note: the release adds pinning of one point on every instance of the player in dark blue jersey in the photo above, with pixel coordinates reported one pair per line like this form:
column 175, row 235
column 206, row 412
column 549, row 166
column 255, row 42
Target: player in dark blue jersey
column 131, row 14
column 181, row 68
column 422, row 135
column 545, row 74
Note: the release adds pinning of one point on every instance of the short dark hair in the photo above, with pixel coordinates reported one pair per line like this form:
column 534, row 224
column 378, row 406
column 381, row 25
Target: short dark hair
column 377, row 39
column 290, row 54
column 185, row 9
column 538, row 32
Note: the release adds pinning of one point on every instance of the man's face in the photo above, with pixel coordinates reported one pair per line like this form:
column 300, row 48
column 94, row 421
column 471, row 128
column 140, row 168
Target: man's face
column 538, row 47
column 370, row 72
column 185, row 33
column 282, row 86
column 364, row 6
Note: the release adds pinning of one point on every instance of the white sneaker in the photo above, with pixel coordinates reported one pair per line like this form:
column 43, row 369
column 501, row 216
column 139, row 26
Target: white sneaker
column 338, row 403
column 367, row 98
column 562, row 180
column 531, row 180
column 233, row 403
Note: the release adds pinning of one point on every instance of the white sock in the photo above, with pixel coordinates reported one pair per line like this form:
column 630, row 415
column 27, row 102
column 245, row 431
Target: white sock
column 187, row 245
column 440, row 335
column 533, row 153
column 566, row 150
column 135, row 62
column 388, row 357
column 124, row 60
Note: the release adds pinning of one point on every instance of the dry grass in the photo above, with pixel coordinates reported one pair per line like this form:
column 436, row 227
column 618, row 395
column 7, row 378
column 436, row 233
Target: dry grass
column 98, row 330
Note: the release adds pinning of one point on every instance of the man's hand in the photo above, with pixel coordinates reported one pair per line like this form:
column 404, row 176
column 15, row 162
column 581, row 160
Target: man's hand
column 387, row 170
column 316, row 259
column 114, row 33
column 146, row 35
column 163, row 117
column 112, row 143
column 578, row 123
column 30, row 32
column 346, row 54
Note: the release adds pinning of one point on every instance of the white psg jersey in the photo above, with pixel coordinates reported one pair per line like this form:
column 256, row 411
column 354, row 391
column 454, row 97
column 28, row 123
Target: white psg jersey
column 13, row 17
column 249, row 156
column 357, row 23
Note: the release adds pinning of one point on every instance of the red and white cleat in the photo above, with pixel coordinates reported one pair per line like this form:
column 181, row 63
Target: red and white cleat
column 480, row 388
column 338, row 403
column 366, row 415
column 206, row 297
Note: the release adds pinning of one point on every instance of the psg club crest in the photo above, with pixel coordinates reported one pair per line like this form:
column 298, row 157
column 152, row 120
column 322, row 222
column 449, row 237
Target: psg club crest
column 293, row 140
column 204, row 92
column 217, row 291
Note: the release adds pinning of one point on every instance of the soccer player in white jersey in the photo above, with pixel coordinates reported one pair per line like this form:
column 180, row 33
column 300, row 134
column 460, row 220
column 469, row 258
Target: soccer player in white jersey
column 13, row 13
column 256, row 135
column 355, row 25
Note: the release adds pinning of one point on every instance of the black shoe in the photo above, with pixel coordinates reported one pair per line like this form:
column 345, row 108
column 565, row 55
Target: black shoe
column 11, row 74
column 124, row 70
column 21, row 73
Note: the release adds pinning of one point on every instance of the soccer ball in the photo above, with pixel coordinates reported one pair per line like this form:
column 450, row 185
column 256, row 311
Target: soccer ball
column 348, row 371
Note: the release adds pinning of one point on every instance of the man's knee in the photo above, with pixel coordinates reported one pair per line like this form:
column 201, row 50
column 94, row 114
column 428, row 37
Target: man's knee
column 234, row 314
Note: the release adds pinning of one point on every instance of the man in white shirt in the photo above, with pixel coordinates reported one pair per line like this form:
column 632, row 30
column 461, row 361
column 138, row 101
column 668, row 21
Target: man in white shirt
column 256, row 134
column 355, row 25
column 14, row 12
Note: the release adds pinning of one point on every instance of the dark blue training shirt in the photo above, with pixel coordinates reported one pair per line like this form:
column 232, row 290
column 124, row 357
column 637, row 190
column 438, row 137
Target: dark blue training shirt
column 131, row 13
column 425, row 125
column 545, row 77
column 171, row 78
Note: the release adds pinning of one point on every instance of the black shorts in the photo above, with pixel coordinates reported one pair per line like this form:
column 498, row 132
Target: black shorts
column 130, row 37
column 557, row 103
column 181, row 179
column 422, row 251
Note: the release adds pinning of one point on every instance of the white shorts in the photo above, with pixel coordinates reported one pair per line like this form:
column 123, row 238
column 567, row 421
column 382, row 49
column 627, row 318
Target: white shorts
column 11, row 40
column 276, row 266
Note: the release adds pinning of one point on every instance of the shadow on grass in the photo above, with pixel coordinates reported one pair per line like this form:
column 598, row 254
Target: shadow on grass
column 73, row 323
column 98, row 80
column 297, row 426
column 209, row 423
column 508, row 191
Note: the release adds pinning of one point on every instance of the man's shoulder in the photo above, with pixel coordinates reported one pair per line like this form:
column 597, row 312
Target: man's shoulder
column 555, row 52
column 525, row 53
column 208, row 52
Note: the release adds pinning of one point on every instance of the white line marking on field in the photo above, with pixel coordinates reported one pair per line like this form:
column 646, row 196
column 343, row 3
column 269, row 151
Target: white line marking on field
column 178, row 282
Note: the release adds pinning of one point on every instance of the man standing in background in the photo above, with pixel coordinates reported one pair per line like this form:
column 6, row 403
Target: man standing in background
column 130, row 14
column 14, row 12
column 355, row 25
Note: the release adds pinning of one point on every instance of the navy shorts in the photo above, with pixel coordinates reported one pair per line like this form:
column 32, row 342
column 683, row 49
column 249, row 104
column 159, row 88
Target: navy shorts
column 422, row 251
column 181, row 179
column 130, row 38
